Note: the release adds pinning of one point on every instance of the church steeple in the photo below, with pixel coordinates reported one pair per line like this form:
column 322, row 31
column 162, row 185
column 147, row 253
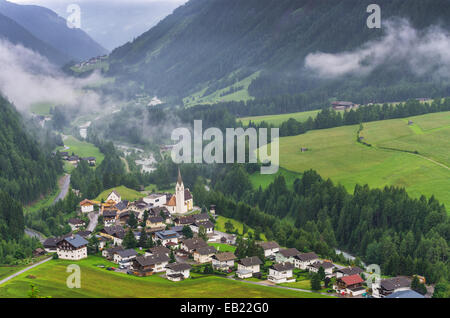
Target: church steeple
column 180, row 181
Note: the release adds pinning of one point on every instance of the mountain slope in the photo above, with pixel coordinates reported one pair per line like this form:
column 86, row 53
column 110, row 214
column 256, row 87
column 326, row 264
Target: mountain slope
column 16, row 34
column 47, row 26
column 25, row 171
column 215, row 43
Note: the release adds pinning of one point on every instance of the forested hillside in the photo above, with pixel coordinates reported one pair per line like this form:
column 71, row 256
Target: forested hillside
column 26, row 172
column 212, row 44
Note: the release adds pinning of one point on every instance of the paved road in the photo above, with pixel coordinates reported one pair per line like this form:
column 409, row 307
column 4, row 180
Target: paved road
column 64, row 188
column 33, row 233
column 24, row 270
column 93, row 221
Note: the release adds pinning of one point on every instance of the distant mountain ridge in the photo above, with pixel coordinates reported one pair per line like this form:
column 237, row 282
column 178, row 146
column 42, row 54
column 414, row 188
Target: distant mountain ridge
column 212, row 44
column 51, row 29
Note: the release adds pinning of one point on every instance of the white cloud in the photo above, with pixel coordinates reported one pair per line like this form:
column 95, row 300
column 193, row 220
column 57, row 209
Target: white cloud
column 426, row 52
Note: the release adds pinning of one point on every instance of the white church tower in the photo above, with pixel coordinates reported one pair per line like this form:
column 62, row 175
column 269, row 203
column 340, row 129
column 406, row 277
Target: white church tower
column 179, row 194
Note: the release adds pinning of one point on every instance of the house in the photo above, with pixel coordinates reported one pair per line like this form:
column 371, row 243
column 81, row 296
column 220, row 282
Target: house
column 115, row 233
column 102, row 241
column 223, row 261
column 162, row 212
column 201, row 217
column 109, row 252
column 39, row 252
column 281, row 273
column 208, row 225
column 248, row 266
column 50, row 244
column 88, row 205
column 76, row 224
column 204, row 254
column 338, row 105
column 109, row 217
column 405, row 294
column 84, row 234
column 73, row 160
column 125, row 257
column 182, row 202
column 270, row 248
column 178, row 229
column 166, row 237
column 350, row 285
column 389, row 286
column 156, row 199
column 302, row 261
column 90, row 160
column 286, row 255
column 155, row 222
column 114, row 196
column 192, row 244
column 157, row 250
column 108, row 205
column 148, row 265
column 139, row 207
column 327, row 266
column 184, row 220
column 72, row 248
column 122, row 205
column 178, row 271
column 348, row 271
column 124, row 216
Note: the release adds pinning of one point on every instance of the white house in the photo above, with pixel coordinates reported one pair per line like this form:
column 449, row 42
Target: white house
column 281, row 273
column 156, row 199
column 350, row 285
column 327, row 266
column 204, row 254
column 114, row 196
column 154, row 263
column 248, row 266
column 167, row 237
column 223, row 261
column 286, row 255
column 87, row 206
column 125, row 257
column 178, row 271
column 72, row 248
column 208, row 225
column 302, row 261
column 270, row 248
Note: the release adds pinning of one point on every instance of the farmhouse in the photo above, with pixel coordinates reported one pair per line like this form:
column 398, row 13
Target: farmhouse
column 90, row 160
column 114, row 196
column 125, row 257
column 178, row 271
column 248, row 266
column 281, row 273
column 88, row 205
column 350, row 285
column 72, row 248
column 76, row 224
column 223, row 261
column 302, row 261
column 109, row 217
column 148, row 265
column 270, row 248
column 286, row 255
column 338, row 105
column 192, row 244
column 204, row 254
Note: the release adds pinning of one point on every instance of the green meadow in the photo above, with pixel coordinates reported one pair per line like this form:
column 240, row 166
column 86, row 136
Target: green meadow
column 336, row 154
column 82, row 149
column 264, row 180
column 279, row 119
column 125, row 193
column 50, row 278
column 220, row 226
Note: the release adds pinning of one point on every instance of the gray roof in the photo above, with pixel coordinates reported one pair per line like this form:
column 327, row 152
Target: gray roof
column 396, row 282
column 156, row 219
column 307, row 257
column 76, row 241
column 206, row 224
column 195, row 243
column 325, row 265
column 159, row 250
column 250, row 261
column 269, row 245
column 76, row 221
column 405, row 294
column 127, row 253
column 350, row 271
column 290, row 252
column 206, row 250
column 201, row 217
column 179, row 267
column 152, row 260
column 280, row 267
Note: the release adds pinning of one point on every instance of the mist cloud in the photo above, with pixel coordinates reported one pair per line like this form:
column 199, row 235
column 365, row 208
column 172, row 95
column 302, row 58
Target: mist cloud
column 27, row 78
column 425, row 52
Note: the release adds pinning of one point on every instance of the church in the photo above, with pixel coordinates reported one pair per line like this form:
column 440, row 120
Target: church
column 182, row 202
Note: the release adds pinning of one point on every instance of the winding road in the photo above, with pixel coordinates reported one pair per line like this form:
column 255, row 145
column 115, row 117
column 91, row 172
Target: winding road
column 64, row 185
column 24, row 270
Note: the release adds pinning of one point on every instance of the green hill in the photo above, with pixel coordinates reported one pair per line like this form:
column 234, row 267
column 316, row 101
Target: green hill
column 391, row 160
column 209, row 46
column 125, row 193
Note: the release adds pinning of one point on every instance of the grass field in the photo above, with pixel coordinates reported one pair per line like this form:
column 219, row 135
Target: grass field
column 220, row 226
column 41, row 108
column 125, row 193
column 43, row 203
column 82, row 149
column 50, row 279
column 336, row 154
column 223, row 247
column 264, row 180
column 279, row 119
